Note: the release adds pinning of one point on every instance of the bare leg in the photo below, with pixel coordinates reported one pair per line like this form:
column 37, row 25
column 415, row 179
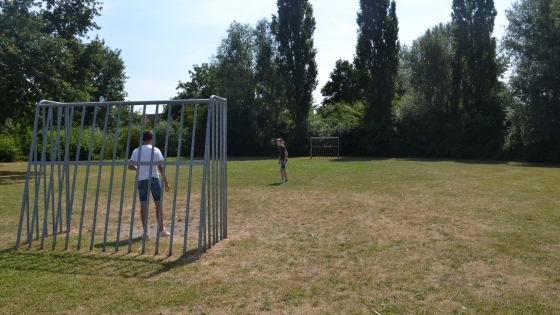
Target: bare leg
column 143, row 215
column 284, row 174
column 160, row 222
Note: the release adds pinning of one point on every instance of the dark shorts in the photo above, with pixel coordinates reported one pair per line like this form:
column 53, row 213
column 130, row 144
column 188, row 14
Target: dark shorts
column 282, row 164
column 155, row 189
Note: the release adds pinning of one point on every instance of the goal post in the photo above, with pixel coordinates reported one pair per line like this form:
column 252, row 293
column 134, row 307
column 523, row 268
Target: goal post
column 78, row 189
column 324, row 147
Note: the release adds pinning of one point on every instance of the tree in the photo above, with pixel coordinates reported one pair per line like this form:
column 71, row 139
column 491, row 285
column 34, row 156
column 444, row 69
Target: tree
column 342, row 86
column 425, row 117
column 531, row 43
column 475, row 70
column 234, row 71
column 376, row 61
column 293, row 28
column 475, row 79
column 43, row 56
column 268, row 97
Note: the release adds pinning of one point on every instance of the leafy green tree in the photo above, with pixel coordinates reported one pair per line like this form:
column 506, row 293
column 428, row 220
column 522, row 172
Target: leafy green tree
column 234, row 70
column 475, row 69
column 293, row 28
column 342, row 86
column 425, row 116
column 43, row 56
column 268, row 86
column 476, row 87
column 531, row 43
column 377, row 62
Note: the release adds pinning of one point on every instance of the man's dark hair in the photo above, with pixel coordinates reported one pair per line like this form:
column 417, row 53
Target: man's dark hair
column 147, row 135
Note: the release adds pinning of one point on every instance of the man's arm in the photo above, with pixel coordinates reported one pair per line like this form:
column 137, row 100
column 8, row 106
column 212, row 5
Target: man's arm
column 160, row 168
column 131, row 166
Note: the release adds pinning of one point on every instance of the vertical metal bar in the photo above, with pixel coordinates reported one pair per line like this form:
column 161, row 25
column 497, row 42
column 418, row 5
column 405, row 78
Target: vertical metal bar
column 190, row 181
column 163, row 176
column 61, row 176
column 70, row 114
column 204, row 174
column 144, row 232
column 213, row 174
column 99, row 175
column 126, row 158
column 25, row 198
column 149, row 183
column 84, row 198
column 224, row 169
column 80, row 134
column 48, row 192
column 38, row 176
column 110, row 194
column 175, row 187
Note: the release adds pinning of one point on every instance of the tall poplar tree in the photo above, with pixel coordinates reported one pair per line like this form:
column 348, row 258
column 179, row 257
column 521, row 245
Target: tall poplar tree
column 377, row 59
column 475, row 73
column 293, row 29
column 475, row 79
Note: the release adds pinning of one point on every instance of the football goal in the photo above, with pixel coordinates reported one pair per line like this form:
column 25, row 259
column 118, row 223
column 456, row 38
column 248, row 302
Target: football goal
column 80, row 193
column 324, row 147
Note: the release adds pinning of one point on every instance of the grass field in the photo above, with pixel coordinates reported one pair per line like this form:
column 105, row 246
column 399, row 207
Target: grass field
column 349, row 236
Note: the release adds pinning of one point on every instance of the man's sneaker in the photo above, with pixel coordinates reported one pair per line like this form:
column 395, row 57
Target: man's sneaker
column 286, row 181
column 164, row 233
column 145, row 235
column 281, row 182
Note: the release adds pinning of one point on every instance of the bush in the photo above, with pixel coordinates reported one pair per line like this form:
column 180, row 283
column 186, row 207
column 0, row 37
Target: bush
column 9, row 150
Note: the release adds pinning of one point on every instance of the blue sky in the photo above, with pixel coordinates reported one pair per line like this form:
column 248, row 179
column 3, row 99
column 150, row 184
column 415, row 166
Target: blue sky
column 160, row 41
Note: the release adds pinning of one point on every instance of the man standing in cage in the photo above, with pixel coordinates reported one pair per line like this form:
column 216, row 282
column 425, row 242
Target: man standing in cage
column 282, row 160
column 144, row 179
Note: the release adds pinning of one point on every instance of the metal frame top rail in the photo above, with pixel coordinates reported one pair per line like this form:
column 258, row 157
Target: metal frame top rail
column 46, row 103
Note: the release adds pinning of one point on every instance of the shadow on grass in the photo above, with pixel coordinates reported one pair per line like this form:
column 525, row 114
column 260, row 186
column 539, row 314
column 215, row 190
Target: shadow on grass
column 275, row 184
column 10, row 177
column 92, row 263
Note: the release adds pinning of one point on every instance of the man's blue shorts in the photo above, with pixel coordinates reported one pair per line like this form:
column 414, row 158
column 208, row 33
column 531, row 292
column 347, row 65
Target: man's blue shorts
column 155, row 189
column 282, row 164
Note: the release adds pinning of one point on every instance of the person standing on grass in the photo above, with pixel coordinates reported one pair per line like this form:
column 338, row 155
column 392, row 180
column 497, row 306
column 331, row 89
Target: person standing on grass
column 282, row 160
column 144, row 177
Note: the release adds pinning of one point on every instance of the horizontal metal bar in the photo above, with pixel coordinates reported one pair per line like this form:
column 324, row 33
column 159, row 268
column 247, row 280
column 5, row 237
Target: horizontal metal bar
column 46, row 103
column 104, row 163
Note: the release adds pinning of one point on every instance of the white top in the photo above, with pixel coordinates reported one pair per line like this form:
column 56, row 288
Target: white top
column 144, row 170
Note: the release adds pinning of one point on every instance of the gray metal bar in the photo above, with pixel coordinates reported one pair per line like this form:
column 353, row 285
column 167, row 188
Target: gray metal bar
column 125, row 168
column 51, row 175
column 110, row 193
column 46, row 103
column 84, row 198
column 25, row 199
column 145, row 232
column 150, row 181
column 187, row 210
column 61, row 177
column 99, row 173
column 201, row 231
column 176, row 186
column 75, row 174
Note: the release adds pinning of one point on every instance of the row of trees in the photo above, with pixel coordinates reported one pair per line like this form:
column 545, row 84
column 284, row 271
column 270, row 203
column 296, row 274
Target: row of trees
column 442, row 96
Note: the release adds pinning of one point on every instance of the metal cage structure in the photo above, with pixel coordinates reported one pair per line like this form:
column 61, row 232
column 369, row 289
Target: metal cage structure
column 324, row 147
column 78, row 185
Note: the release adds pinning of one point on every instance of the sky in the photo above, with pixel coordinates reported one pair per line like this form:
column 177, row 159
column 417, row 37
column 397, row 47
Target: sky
column 160, row 41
